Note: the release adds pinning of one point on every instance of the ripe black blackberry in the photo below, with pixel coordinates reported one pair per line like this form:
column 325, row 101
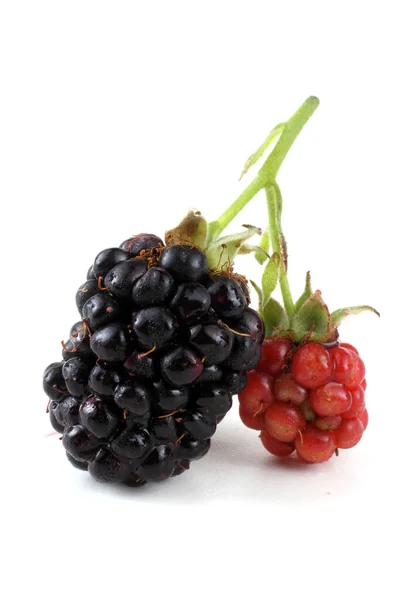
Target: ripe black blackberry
column 166, row 338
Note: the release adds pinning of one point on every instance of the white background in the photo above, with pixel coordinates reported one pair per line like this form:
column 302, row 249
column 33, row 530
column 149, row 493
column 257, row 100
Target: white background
column 115, row 118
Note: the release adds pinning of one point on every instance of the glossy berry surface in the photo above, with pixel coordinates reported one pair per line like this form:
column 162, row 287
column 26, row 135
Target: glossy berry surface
column 191, row 300
column 274, row 354
column 107, row 259
column 150, row 369
column 250, row 323
column 227, row 297
column 54, row 384
column 120, row 280
column 314, row 445
column 153, row 288
column 274, row 446
column 154, row 327
column 307, row 398
column 142, row 242
column 184, row 263
column 213, row 341
column 181, row 366
column 98, row 417
column 284, row 421
column 349, row 433
column 85, row 292
column 235, row 381
column 112, row 343
column 257, row 396
column 76, row 373
column 330, row 399
column 100, row 310
column 312, row 365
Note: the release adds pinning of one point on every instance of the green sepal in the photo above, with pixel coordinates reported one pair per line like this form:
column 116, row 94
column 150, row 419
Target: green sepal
column 221, row 253
column 192, row 229
column 274, row 317
column 270, row 278
column 313, row 320
column 338, row 315
column 250, row 249
column 258, row 291
column 264, row 244
column 306, row 294
column 272, row 136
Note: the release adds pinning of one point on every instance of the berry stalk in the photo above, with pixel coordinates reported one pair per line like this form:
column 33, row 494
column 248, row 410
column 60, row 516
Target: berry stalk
column 221, row 251
column 308, row 318
column 287, row 133
column 274, row 204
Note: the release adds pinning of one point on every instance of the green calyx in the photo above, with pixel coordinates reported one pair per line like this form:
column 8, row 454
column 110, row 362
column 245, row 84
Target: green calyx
column 220, row 252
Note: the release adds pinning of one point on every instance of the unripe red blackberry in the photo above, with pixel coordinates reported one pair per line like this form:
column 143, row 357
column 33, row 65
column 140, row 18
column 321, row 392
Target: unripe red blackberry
column 307, row 392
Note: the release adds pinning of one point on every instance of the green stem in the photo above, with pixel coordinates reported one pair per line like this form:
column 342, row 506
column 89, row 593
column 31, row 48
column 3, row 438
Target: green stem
column 292, row 129
column 217, row 227
column 274, row 202
column 269, row 170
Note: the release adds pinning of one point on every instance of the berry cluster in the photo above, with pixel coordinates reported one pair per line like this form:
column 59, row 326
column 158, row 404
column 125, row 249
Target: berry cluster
column 308, row 398
column 150, row 369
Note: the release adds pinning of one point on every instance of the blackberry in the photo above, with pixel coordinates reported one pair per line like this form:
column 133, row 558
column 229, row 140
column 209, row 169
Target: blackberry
column 100, row 310
column 98, row 417
column 142, row 242
column 213, row 400
column 78, row 464
column 192, row 449
column 154, row 288
column 212, row 340
column 103, row 381
column 181, row 366
column 76, row 372
column 78, row 343
column 158, row 465
column 166, row 429
column 185, row 263
column 132, row 444
column 154, row 327
column 67, row 411
column 141, row 365
column 108, row 468
column 53, row 381
column 210, row 374
column 85, row 292
column 53, row 420
column 245, row 354
column 80, row 444
column 133, row 396
column 198, row 426
column 235, row 381
column 112, row 343
column 170, row 399
column 150, row 369
column 227, row 297
column 250, row 322
column 90, row 274
column 107, row 259
column 121, row 278
column 191, row 300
